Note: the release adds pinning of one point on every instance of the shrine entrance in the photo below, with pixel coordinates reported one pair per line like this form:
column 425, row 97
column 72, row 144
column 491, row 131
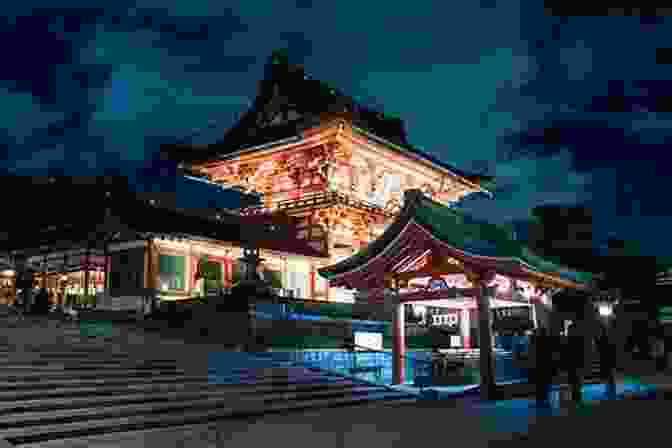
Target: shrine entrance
column 434, row 244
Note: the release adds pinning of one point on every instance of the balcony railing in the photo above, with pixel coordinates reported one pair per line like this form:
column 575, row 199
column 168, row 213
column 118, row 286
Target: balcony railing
column 322, row 198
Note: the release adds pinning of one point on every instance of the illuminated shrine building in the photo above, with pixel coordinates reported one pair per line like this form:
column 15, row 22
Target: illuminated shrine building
column 338, row 168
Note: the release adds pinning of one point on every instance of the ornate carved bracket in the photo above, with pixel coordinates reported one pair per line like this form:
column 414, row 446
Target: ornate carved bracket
column 428, row 190
column 478, row 278
column 393, row 206
column 247, row 173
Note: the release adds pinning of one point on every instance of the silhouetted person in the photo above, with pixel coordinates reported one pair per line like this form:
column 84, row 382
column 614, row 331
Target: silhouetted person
column 659, row 351
column 437, row 363
column 542, row 369
column 574, row 360
column 41, row 305
column 607, row 351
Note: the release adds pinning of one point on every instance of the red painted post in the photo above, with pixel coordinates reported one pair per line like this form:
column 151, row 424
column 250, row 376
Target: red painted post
column 465, row 328
column 194, row 268
column 312, row 282
column 227, row 272
column 398, row 344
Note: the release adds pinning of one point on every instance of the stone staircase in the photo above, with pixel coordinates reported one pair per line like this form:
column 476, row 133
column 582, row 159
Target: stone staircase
column 79, row 387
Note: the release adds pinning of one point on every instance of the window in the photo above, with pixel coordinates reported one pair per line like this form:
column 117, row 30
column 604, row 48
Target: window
column 298, row 282
column 171, row 272
column 393, row 184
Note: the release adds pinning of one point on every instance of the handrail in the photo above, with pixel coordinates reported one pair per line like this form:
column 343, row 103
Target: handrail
column 420, row 361
column 314, row 198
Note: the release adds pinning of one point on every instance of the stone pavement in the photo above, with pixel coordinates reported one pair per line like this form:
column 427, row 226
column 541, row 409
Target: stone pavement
column 374, row 425
column 508, row 423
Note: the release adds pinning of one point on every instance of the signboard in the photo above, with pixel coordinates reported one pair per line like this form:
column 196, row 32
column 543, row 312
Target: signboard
column 373, row 341
column 516, row 312
column 449, row 319
column 436, row 316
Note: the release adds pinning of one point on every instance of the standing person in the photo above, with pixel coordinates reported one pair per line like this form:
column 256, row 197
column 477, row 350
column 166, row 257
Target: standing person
column 541, row 352
column 18, row 305
column 607, row 351
column 659, row 351
column 574, row 359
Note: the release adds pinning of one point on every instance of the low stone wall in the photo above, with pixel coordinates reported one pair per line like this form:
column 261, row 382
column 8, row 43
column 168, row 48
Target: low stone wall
column 124, row 303
column 267, row 329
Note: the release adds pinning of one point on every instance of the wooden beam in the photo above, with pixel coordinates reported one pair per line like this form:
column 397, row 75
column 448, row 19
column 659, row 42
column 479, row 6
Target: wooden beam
column 430, row 272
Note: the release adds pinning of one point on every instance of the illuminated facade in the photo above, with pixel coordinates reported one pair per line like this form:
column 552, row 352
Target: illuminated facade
column 338, row 168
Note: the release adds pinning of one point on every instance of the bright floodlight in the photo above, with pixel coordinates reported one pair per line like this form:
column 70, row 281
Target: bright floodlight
column 605, row 310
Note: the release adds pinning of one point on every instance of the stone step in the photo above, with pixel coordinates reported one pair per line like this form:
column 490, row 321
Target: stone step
column 212, row 400
column 103, row 424
column 85, row 359
column 38, row 384
column 81, row 386
column 48, row 375
column 106, row 367
column 73, row 390
column 168, row 394
column 65, row 354
column 27, row 372
column 154, row 375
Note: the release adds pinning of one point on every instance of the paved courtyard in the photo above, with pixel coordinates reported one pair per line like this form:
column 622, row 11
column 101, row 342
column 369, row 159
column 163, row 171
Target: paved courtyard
column 373, row 425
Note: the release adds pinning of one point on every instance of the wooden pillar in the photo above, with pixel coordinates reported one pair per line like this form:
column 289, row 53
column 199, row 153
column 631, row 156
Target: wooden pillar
column 106, row 272
column 533, row 313
column 86, row 274
column 44, row 273
column 150, row 284
column 145, row 271
column 312, row 281
column 285, row 273
column 465, row 328
column 228, row 267
column 192, row 272
column 398, row 339
column 13, row 285
column 486, row 359
column 330, row 254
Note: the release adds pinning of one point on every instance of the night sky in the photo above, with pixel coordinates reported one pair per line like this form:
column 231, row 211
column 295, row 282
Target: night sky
column 559, row 110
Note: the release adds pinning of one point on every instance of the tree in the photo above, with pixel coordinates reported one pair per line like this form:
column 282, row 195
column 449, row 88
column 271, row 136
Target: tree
column 563, row 233
column 211, row 273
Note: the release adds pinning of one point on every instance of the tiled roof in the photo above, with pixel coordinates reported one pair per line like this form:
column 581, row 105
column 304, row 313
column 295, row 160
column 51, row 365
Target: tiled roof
column 30, row 227
column 458, row 230
column 287, row 88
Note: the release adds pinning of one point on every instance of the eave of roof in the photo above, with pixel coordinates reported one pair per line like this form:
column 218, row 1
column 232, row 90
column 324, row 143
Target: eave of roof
column 246, row 136
column 476, row 239
column 413, row 152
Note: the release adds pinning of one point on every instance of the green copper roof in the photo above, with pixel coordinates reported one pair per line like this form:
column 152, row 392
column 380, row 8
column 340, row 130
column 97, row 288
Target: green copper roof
column 462, row 232
column 482, row 238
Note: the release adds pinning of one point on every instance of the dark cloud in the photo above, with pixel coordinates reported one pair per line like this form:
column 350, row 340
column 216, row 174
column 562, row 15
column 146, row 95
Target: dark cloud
column 560, row 110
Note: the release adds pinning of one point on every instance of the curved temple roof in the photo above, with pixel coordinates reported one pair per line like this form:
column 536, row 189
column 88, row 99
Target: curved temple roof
column 286, row 89
column 426, row 225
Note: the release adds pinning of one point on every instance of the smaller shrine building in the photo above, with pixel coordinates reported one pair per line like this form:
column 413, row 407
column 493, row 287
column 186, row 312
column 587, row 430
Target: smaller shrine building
column 434, row 254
